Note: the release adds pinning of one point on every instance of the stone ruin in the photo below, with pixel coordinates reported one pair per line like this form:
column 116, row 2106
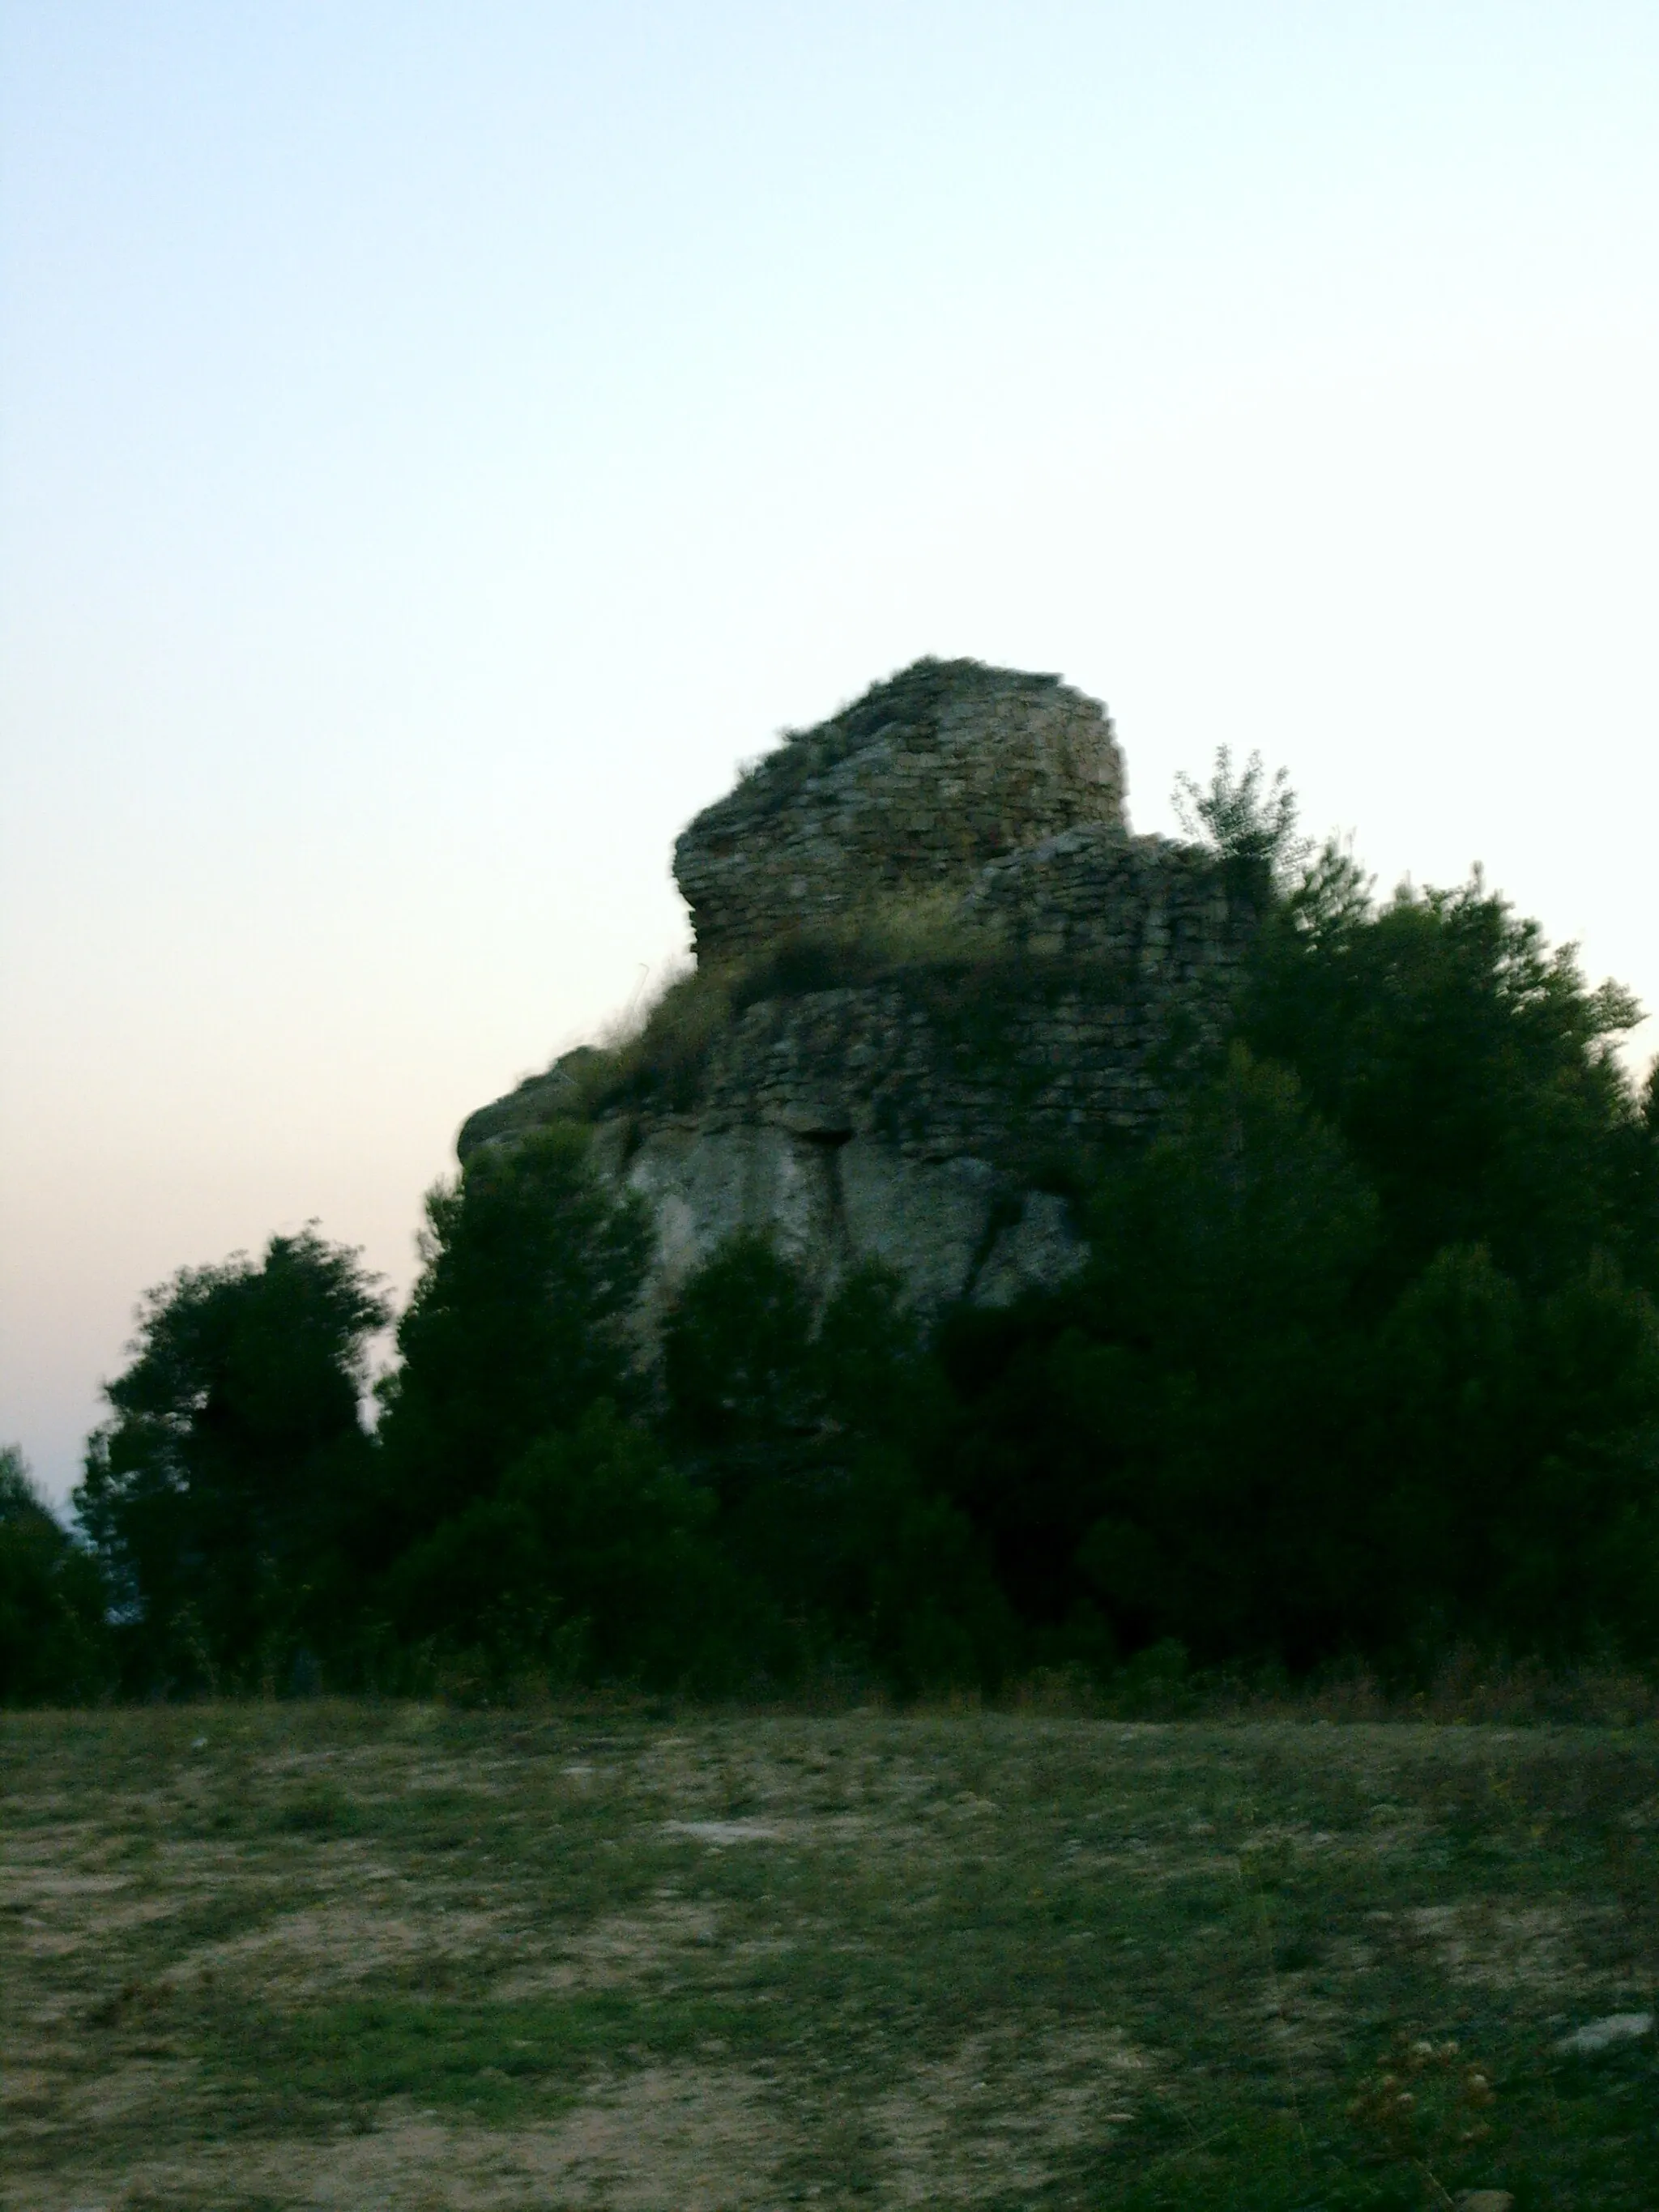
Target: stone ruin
column 936, row 971
column 910, row 791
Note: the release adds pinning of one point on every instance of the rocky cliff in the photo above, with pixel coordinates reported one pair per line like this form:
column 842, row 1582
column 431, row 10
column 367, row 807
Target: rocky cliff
column 934, row 970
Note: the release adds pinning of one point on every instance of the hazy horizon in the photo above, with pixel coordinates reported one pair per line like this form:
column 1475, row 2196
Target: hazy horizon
column 437, row 445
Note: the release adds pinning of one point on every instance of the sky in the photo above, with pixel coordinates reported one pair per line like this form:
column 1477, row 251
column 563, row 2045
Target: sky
column 438, row 441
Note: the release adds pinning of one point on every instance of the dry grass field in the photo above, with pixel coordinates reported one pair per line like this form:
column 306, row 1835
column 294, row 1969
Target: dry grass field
column 329, row 1955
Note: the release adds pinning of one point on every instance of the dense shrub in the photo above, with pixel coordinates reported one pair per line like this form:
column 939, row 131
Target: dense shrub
column 1521, row 1448
column 1158, row 1447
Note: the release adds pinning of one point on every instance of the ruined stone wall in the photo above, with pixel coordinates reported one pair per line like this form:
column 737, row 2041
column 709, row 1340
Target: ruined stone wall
column 908, row 1104
column 909, row 791
column 1093, row 970
column 1005, row 1066
column 1096, row 893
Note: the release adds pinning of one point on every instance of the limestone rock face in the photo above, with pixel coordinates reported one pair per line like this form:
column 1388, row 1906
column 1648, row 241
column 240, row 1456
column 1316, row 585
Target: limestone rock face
column 909, row 791
column 911, row 1101
column 944, row 1226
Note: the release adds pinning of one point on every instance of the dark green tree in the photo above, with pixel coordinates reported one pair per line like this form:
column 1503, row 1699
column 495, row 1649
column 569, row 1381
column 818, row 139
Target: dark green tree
column 814, row 1428
column 1517, row 1482
column 1249, row 819
column 755, row 1369
column 521, row 1319
column 54, row 1644
column 1156, row 1447
column 740, row 1373
column 1365, row 1360
column 1471, row 1070
column 226, row 1495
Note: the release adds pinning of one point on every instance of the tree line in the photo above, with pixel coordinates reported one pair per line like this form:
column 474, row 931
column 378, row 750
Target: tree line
column 1364, row 1365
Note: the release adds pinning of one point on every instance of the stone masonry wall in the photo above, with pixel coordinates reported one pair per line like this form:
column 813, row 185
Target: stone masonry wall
column 999, row 1061
column 1094, row 968
column 1095, row 892
column 910, row 791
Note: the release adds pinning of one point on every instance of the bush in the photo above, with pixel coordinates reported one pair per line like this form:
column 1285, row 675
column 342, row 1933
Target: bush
column 1365, row 1358
column 1470, row 1071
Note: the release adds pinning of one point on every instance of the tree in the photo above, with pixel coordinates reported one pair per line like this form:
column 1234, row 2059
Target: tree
column 812, row 1428
column 1161, row 1444
column 1367, row 1355
column 225, row 1496
column 1249, row 821
column 592, row 1558
column 1518, row 1483
column 53, row 1645
column 739, row 1371
column 1469, row 1068
column 519, row 1321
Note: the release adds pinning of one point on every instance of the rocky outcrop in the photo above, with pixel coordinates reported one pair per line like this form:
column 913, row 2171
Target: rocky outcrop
column 935, row 969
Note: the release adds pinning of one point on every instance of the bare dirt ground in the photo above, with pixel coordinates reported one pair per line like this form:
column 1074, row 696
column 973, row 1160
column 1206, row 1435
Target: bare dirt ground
column 346, row 1956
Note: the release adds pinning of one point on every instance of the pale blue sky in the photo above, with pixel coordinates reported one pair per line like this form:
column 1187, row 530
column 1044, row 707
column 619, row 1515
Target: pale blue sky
column 437, row 441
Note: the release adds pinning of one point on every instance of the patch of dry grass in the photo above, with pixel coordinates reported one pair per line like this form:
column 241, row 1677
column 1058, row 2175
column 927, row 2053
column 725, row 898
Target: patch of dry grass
column 307, row 1956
